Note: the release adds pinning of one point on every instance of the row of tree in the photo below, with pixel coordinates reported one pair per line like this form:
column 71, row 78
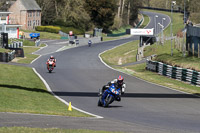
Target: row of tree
column 88, row 14
column 106, row 14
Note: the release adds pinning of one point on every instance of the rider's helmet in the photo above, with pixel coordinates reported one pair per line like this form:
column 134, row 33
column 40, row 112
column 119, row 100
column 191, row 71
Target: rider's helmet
column 51, row 57
column 120, row 80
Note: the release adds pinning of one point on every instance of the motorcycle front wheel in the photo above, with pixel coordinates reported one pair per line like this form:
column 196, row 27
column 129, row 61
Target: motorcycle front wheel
column 109, row 99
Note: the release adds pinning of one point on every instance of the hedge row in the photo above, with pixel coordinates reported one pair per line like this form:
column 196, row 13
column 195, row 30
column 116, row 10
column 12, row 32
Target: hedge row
column 56, row 29
column 52, row 29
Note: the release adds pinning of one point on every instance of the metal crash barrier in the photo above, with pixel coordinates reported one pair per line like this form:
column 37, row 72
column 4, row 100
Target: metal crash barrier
column 186, row 75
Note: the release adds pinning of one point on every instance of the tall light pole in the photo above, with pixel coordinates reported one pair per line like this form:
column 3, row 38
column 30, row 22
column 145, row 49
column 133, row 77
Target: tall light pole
column 158, row 27
column 163, row 19
column 156, row 16
column 184, row 19
column 172, row 5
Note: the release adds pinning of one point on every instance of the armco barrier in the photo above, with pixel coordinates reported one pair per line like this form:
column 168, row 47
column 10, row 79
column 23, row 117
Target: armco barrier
column 116, row 35
column 186, row 75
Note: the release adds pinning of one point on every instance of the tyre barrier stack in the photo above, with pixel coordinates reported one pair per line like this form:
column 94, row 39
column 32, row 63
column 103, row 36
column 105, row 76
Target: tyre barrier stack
column 16, row 44
column 6, row 57
column 186, row 75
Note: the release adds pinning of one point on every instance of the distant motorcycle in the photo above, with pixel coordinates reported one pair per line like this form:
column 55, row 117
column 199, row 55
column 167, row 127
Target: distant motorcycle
column 50, row 65
column 89, row 43
column 108, row 96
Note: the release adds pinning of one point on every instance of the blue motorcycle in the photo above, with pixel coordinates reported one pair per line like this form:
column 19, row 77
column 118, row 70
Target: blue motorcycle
column 109, row 95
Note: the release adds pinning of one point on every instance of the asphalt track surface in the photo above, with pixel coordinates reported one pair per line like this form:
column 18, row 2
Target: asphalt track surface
column 145, row 107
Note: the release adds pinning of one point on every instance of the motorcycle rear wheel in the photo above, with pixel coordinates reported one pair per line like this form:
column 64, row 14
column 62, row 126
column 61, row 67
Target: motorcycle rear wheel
column 99, row 103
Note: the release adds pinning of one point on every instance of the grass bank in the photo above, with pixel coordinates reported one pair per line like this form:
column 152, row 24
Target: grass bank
column 22, row 91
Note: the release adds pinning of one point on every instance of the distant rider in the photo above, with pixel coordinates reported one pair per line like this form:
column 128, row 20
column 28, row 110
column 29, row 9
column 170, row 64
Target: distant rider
column 52, row 58
column 89, row 43
column 119, row 83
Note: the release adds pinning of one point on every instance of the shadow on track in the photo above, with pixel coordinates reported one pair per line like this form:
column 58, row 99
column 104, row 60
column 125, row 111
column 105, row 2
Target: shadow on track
column 128, row 95
column 24, row 88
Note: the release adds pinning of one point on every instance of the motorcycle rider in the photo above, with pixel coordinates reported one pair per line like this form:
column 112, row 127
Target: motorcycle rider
column 119, row 83
column 89, row 43
column 52, row 58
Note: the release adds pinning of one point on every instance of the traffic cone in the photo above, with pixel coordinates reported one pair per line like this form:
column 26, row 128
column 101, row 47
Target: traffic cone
column 70, row 106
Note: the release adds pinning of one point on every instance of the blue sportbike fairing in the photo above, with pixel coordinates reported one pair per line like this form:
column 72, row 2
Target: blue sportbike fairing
column 110, row 95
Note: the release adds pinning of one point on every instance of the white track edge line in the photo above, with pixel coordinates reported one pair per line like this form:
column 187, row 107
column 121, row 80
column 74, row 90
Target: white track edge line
column 49, row 89
column 140, row 78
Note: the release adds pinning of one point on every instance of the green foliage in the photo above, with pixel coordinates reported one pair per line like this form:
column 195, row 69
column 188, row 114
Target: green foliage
column 102, row 12
column 87, row 14
column 68, row 13
column 117, row 23
column 52, row 29
column 40, row 28
column 56, row 29
column 75, row 31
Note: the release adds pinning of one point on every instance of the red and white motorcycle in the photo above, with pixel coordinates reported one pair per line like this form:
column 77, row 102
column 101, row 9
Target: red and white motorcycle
column 50, row 65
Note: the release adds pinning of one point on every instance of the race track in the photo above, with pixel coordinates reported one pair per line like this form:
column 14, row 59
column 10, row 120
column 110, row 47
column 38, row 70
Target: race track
column 80, row 73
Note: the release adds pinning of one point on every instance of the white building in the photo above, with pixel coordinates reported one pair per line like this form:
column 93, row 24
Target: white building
column 6, row 27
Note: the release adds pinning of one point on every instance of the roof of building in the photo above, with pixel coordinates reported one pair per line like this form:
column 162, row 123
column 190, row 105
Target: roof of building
column 30, row 4
column 4, row 5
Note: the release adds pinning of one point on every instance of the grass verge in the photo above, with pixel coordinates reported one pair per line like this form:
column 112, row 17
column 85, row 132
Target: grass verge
column 121, row 55
column 22, row 91
column 29, row 57
column 43, row 35
column 146, row 21
column 48, row 130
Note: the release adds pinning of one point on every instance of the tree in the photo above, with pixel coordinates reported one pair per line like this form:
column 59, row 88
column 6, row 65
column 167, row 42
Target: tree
column 48, row 11
column 194, row 9
column 102, row 12
column 75, row 15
